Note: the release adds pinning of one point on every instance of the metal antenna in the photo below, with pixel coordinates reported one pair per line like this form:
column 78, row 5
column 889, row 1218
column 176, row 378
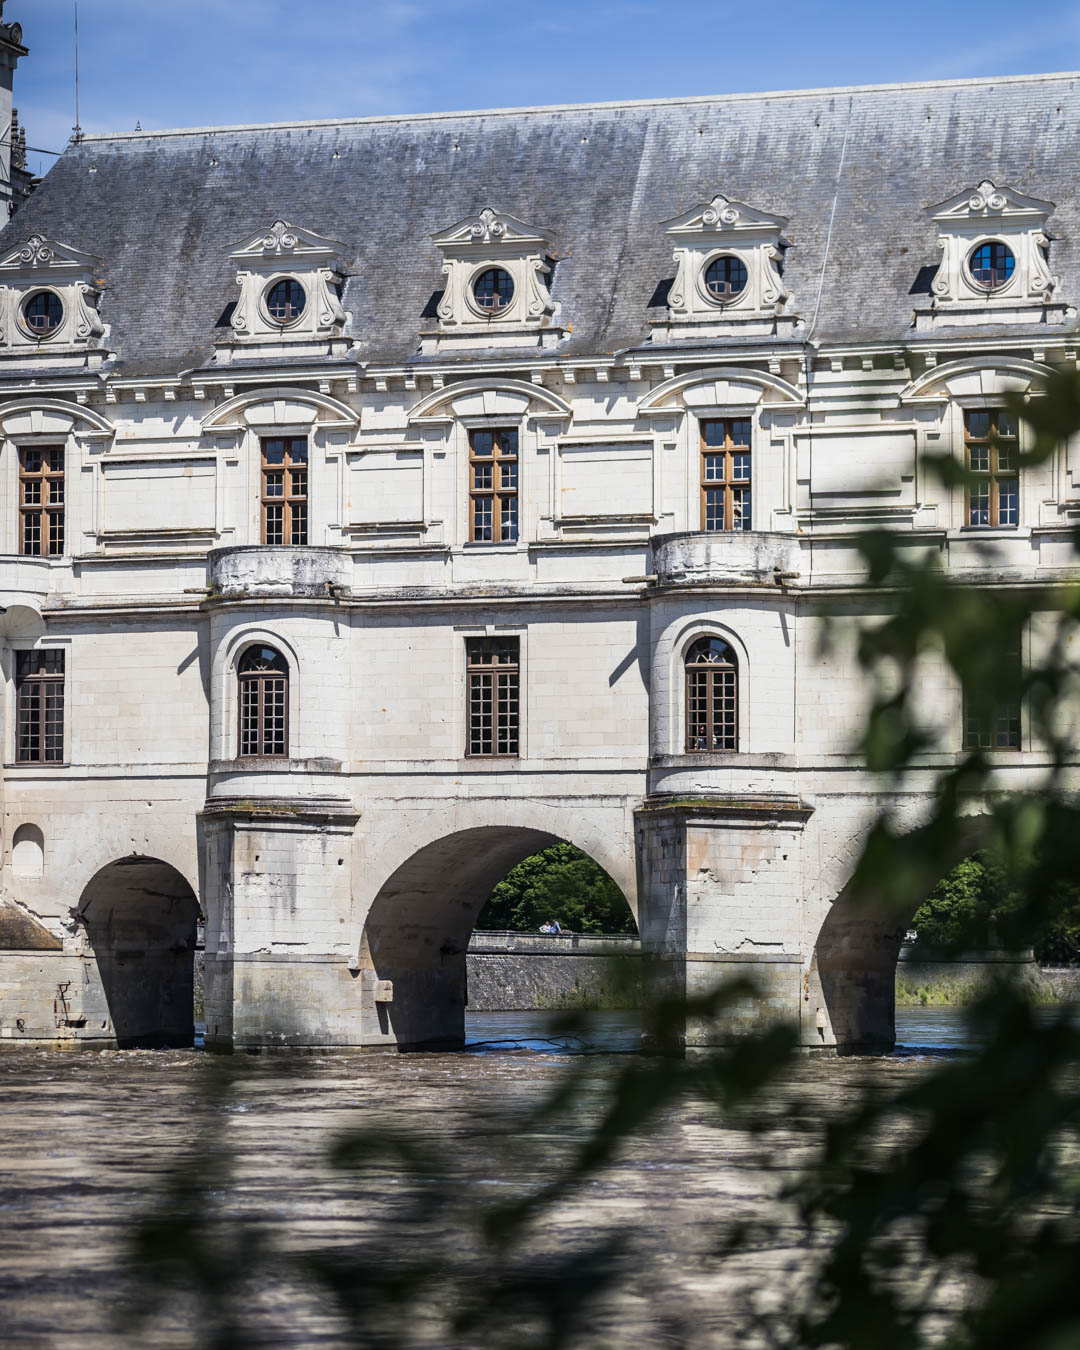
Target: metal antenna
column 76, row 130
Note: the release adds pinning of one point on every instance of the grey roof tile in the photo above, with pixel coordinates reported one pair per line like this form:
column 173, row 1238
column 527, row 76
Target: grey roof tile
column 163, row 210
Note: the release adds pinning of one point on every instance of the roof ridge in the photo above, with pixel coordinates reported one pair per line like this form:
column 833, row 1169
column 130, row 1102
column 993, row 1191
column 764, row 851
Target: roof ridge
column 686, row 100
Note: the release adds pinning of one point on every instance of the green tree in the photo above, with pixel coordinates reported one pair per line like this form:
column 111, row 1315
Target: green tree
column 561, row 883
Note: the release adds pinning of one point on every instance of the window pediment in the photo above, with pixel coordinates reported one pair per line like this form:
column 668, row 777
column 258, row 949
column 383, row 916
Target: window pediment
column 497, row 270
column 728, row 258
column 994, row 260
column 290, row 280
column 48, row 299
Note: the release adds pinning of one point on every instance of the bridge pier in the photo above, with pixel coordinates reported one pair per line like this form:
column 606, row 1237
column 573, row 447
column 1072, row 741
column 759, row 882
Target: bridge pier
column 720, row 898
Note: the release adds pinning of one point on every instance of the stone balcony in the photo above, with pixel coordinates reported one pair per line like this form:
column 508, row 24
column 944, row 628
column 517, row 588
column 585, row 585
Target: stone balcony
column 25, row 584
column 743, row 558
column 268, row 571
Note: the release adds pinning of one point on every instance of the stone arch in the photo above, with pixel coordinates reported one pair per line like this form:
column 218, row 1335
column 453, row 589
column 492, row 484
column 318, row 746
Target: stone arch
column 139, row 916
column 52, row 416
column 719, row 387
column 858, row 945
column 285, row 406
column 490, row 397
column 980, row 376
column 418, row 923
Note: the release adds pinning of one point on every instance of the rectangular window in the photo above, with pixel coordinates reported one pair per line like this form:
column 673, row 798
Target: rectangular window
column 284, row 490
column 39, row 707
column 493, row 486
column 492, row 707
column 991, row 444
column 41, row 500
column 997, row 726
column 725, row 474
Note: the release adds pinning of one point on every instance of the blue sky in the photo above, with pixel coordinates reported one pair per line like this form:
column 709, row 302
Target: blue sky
column 170, row 63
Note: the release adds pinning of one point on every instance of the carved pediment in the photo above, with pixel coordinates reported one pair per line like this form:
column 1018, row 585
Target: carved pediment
column 721, row 216
column 988, row 202
column 493, row 228
column 40, row 255
column 283, row 243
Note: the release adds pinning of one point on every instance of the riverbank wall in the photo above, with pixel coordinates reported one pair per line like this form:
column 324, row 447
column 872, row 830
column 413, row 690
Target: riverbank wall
column 520, row 972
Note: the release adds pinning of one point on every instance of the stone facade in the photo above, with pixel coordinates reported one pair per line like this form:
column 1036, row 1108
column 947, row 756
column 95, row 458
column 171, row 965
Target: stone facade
column 266, row 680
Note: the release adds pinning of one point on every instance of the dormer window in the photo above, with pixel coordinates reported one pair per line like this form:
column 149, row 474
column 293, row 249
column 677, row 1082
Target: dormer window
column 497, row 270
column 49, row 293
column 992, row 265
column 493, row 290
column 285, row 301
column 995, row 265
column 728, row 281
column 290, row 291
column 43, row 313
column 726, row 278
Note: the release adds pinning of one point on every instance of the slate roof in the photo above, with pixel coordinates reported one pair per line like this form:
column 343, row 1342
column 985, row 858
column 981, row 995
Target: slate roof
column 164, row 209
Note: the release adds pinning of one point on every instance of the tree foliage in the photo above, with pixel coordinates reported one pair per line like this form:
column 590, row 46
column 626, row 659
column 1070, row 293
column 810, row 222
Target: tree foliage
column 974, row 905
column 561, row 883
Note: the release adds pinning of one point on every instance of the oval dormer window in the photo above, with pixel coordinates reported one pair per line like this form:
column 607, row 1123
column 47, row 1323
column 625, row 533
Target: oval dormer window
column 726, row 278
column 992, row 265
column 493, row 290
column 285, row 301
column 43, row 313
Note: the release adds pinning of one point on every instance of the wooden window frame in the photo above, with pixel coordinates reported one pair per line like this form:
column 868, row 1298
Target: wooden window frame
column 994, row 476
column 498, row 490
column 46, row 514
column 999, row 727
column 39, row 674
column 260, row 680
column 492, row 690
column 707, row 674
column 293, row 504
column 727, row 485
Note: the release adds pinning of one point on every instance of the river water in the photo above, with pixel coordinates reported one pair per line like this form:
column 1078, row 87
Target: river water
column 238, row 1152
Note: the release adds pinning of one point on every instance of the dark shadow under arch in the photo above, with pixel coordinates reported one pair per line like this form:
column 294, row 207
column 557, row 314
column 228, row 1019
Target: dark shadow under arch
column 418, row 928
column 859, row 944
column 140, row 917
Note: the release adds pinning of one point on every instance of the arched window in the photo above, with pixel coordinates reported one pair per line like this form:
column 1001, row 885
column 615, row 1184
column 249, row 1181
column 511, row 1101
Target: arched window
column 263, row 676
column 712, row 703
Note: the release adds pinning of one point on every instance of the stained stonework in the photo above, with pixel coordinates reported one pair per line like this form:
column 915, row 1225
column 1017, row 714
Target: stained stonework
column 341, row 845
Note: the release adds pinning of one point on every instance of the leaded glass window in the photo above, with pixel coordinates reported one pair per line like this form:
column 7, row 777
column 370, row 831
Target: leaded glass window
column 493, row 486
column 725, row 475
column 41, row 500
column 712, row 703
column 39, row 706
column 263, row 677
column 995, row 724
column 285, row 490
column 991, row 442
column 492, row 712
